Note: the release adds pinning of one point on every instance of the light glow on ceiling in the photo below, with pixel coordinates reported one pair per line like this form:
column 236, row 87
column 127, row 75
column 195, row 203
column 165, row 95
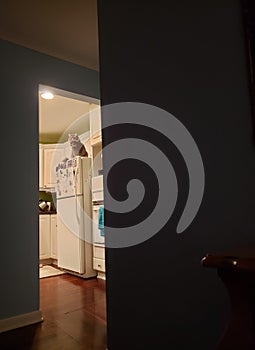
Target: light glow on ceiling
column 47, row 95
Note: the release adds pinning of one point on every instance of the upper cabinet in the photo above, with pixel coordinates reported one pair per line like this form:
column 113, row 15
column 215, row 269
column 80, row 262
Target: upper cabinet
column 50, row 156
column 96, row 155
column 41, row 184
column 95, row 124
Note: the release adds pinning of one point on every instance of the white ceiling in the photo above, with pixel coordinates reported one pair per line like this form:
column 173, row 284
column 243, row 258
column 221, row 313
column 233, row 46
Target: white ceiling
column 60, row 116
column 61, row 28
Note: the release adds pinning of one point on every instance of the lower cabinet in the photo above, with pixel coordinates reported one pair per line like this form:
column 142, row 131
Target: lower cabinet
column 48, row 236
column 53, row 240
column 44, row 236
column 99, row 260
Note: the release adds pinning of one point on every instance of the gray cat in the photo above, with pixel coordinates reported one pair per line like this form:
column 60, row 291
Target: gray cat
column 78, row 148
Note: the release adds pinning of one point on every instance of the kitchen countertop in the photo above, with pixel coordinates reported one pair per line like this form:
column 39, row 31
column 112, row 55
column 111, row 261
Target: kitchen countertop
column 47, row 212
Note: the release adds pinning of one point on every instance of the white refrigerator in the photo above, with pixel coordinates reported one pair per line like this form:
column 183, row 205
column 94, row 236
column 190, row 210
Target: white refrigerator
column 74, row 217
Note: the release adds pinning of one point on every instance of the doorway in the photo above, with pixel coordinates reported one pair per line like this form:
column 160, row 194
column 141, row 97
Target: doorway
column 71, row 242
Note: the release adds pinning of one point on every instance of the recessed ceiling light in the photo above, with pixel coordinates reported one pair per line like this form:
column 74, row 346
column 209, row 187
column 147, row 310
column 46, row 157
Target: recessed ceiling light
column 47, row 95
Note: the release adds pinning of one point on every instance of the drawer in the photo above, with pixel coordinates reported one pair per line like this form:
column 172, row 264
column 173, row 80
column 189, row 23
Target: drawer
column 99, row 252
column 99, row 264
column 97, row 183
column 98, row 196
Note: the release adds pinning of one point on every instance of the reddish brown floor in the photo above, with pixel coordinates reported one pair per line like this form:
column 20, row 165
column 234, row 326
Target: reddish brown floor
column 74, row 312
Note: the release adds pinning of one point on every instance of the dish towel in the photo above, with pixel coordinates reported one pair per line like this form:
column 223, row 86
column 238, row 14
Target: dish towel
column 101, row 221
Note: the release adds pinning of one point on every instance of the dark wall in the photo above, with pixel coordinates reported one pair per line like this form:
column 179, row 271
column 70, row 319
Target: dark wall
column 21, row 72
column 187, row 57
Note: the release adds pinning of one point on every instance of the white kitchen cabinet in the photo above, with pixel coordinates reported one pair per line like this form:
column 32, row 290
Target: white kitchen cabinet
column 48, row 236
column 44, row 236
column 97, row 179
column 97, row 188
column 99, row 260
column 97, row 158
column 88, row 148
column 49, row 157
column 41, row 184
column 53, row 232
column 52, row 155
column 99, row 252
column 99, row 264
column 95, row 124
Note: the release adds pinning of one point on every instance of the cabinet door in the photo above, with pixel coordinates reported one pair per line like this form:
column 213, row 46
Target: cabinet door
column 53, row 224
column 52, row 156
column 44, row 236
column 99, row 264
column 41, row 183
column 95, row 124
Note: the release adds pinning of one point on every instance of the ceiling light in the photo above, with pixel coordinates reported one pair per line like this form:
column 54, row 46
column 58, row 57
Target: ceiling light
column 47, row 95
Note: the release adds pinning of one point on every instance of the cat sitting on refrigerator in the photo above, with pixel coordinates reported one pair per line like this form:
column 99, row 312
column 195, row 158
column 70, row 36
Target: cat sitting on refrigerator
column 78, row 148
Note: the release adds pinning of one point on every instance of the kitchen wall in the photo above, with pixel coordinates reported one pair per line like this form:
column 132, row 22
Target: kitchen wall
column 21, row 71
column 188, row 58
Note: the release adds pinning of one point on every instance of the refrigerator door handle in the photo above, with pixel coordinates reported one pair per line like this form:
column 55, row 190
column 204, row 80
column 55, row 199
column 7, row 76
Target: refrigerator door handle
column 74, row 172
column 76, row 208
